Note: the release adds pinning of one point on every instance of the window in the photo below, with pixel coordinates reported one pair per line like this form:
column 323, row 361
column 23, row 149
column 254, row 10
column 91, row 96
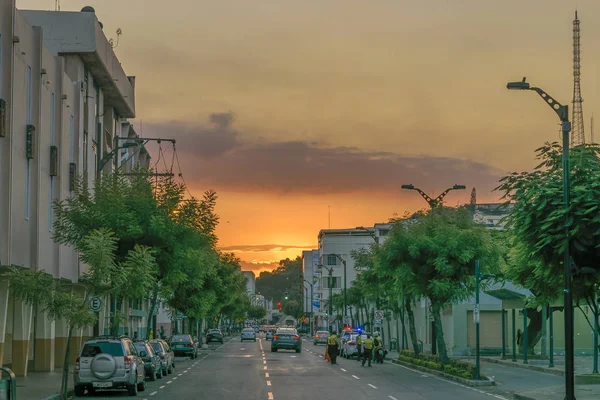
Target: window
column 72, row 139
column 52, row 140
column 336, row 282
column 331, row 259
column 490, row 222
column 28, row 161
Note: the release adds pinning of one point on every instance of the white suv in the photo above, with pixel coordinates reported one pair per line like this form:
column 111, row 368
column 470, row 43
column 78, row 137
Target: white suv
column 109, row 363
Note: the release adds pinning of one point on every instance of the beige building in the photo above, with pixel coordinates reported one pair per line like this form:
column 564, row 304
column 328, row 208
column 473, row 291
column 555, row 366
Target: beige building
column 63, row 98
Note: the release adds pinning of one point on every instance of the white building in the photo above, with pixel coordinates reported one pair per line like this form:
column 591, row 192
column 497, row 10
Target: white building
column 250, row 282
column 63, row 98
column 310, row 262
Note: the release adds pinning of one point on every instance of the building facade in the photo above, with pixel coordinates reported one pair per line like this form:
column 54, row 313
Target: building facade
column 63, row 98
column 250, row 282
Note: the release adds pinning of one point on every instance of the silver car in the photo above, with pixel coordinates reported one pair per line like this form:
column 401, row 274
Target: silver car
column 109, row 363
column 248, row 334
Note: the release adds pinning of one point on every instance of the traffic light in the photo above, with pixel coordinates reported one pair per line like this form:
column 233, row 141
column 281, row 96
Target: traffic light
column 279, row 304
column 286, row 295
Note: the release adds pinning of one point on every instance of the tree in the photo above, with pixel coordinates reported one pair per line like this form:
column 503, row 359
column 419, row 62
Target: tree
column 293, row 308
column 435, row 257
column 256, row 312
column 536, row 228
column 287, row 277
column 135, row 275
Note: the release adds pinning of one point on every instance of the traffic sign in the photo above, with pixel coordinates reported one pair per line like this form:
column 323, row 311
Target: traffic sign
column 95, row 303
column 476, row 313
column 346, row 320
column 379, row 314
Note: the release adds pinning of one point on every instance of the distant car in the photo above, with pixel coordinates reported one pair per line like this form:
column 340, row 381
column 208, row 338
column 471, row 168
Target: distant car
column 270, row 334
column 151, row 359
column 214, row 335
column 184, row 345
column 248, row 334
column 286, row 338
column 349, row 348
column 167, row 357
column 321, row 337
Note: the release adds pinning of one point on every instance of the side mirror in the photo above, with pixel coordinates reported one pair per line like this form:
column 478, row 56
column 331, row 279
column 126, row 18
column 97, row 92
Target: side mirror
column 143, row 354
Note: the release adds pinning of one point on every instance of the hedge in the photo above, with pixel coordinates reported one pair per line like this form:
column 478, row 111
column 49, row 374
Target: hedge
column 458, row 368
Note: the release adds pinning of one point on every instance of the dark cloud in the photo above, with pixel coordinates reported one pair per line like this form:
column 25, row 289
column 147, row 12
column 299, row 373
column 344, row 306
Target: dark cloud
column 215, row 156
column 257, row 248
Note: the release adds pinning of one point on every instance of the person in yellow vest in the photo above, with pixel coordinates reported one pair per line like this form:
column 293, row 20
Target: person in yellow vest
column 368, row 344
column 333, row 346
column 151, row 336
column 359, row 344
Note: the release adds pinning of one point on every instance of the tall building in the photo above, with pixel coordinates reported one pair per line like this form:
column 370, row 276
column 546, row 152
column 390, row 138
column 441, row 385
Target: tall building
column 310, row 262
column 250, row 282
column 63, row 97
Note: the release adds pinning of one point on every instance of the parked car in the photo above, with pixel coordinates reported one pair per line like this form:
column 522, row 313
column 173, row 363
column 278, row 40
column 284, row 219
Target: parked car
column 321, row 337
column 248, row 334
column 166, row 354
column 151, row 359
column 109, row 362
column 184, row 345
column 214, row 335
column 286, row 338
column 270, row 333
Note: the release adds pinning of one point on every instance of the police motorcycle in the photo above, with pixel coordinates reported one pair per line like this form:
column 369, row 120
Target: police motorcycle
column 379, row 352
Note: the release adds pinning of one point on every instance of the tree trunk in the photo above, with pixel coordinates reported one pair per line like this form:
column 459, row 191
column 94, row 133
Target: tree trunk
column 534, row 330
column 153, row 304
column 411, row 326
column 439, row 334
column 64, row 388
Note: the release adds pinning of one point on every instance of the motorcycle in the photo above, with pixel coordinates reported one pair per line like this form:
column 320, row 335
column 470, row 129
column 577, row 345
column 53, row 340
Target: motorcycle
column 380, row 354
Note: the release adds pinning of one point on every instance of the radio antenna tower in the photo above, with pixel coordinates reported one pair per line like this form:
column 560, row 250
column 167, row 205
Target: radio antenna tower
column 578, row 136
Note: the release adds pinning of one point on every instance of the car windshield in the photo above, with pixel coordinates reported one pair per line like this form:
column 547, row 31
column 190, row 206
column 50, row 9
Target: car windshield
column 214, row 331
column 156, row 347
column 93, row 349
column 181, row 338
column 142, row 347
column 248, row 330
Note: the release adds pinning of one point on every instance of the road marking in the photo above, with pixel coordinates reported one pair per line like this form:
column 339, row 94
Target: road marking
column 174, row 378
column 264, row 361
column 343, row 369
column 169, row 382
column 153, row 393
column 392, row 397
column 266, row 374
column 320, row 356
column 265, row 367
column 179, row 374
column 186, row 370
column 268, row 383
column 270, row 395
column 355, row 377
column 373, row 386
column 163, row 386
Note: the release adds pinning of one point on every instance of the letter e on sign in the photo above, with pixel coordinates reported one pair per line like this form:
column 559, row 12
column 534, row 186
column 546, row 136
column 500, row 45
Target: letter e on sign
column 95, row 303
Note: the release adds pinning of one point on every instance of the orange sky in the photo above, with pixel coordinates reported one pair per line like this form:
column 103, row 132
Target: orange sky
column 287, row 107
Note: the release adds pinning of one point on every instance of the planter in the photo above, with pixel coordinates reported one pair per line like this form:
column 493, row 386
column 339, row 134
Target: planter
column 464, row 381
column 587, row 379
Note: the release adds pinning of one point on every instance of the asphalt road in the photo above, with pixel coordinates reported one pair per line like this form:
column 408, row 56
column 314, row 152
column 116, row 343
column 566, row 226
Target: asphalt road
column 250, row 371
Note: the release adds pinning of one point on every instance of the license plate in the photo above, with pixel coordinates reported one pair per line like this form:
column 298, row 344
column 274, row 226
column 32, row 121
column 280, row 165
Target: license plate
column 285, row 337
column 102, row 384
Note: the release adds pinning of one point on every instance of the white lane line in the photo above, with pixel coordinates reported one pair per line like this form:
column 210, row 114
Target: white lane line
column 392, row 397
column 268, row 383
column 266, row 374
column 162, row 387
column 153, row 393
column 186, row 370
column 169, row 382
column 174, row 378
column 270, row 395
column 355, row 377
column 265, row 367
column 343, row 369
column 373, row 386
column 320, row 356
column 264, row 361
column 179, row 374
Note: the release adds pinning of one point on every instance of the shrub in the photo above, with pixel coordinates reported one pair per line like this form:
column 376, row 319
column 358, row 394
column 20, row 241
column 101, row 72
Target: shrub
column 458, row 368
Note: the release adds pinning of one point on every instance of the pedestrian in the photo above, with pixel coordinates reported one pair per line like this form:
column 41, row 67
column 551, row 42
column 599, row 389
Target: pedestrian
column 135, row 335
column 162, row 332
column 519, row 334
column 151, row 335
column 333, row 346
column 368, row 344
column 359, row 344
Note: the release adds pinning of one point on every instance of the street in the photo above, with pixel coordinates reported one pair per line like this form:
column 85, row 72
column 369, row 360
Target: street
column 249, row 370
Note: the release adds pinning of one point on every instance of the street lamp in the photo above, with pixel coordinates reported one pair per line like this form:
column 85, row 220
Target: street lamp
column 563, row 114
column 330, row 303
column 108, row 156
column 372, row 234
column 311, row 306
column 345, row 289
column 433, row 203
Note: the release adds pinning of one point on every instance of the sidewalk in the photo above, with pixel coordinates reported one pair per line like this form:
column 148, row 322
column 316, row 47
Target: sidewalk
column 41, row 385
column 583, row 364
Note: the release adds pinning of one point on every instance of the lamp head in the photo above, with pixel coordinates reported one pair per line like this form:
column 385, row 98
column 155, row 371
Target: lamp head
column 409, row 187
column 459, row 187
column 518, row 85
column 129, row 144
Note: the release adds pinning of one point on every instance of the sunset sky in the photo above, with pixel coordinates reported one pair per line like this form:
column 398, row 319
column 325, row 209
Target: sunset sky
column 288, row 107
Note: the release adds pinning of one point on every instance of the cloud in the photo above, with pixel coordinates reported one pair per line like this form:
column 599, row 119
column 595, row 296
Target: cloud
column 257, row 248
column 216, row 155
column 257, row 268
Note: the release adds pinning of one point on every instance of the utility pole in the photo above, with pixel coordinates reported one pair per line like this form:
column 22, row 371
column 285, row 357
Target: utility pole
column 438, row 201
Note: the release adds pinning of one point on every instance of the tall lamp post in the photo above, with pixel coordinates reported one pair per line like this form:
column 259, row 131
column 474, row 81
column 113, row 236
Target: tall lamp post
column 563, row 114
column 372, row 234
column 330, row 303
column 345, row 291
column 311, row 305
column 438, row 201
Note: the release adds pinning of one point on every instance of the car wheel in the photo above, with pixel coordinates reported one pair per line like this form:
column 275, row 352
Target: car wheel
column 255, row 340
column 221, row 341
column 273, row 350
column 79, row 391
column 169, row 370
column 159, row 374
column 142, row 385
column 153, row 376
column 132, row 390
column 297, row 350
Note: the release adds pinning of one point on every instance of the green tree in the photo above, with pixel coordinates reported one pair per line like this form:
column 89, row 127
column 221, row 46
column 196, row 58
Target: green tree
column 293, row 308
column 256, row 312
column 287, row 276
column 134, row 275
column 435, row 256
column 536, row 228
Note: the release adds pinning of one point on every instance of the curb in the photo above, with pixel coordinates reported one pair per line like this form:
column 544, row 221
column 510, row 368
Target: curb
column 522, row 397
column 56, row 396
column 557, row 372
column 467, row 382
